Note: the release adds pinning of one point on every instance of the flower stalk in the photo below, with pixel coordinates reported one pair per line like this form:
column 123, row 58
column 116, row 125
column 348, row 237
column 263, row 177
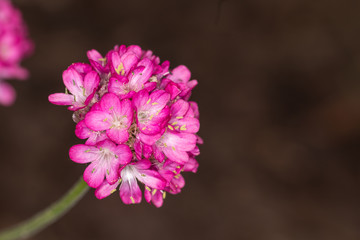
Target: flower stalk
column 48, row 216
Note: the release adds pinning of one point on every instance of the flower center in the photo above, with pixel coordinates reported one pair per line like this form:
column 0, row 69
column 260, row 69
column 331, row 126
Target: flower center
column 106, row 155
column 119, row 122
column 142, row 116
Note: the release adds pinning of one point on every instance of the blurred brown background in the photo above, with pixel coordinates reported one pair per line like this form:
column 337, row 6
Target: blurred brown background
column 279, row 95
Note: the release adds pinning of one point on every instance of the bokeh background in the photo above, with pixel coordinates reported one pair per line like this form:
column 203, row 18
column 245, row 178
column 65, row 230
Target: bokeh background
column 279, row 95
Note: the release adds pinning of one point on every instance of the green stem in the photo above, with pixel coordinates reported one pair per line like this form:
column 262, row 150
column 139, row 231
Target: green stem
column 43, row 219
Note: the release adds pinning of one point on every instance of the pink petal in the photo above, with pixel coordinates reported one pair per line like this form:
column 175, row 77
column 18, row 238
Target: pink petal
column 106, row 189
column 154, row 195
column 142, row 164
column 135, row 49
column 117, row 66
column 61, row 99
column 187, row 124
column 195, row 151
column 107, row 144
column 199, row 140
column 155, row 123
column 110, row 103
column 149, row 139
column 73, row 81
column 180, row 74
column 127, row 111
column 186, row 93
column 179, row 108
column 140, row 99
column 149, row 86
column 158, row 154
column 94, row 55
column 152, row 179
column 7, row 94
column 176, row 155
column 123, row 153
column 81, row 68
column 112, row 173
column 191, row 166
column 147, row 194
column 129, row 60
column 98, row 120
column 141, row 75
column 118, row 135
column 173, row 89
column 157, row 198
column 130, row 192
column 94, row 175
column 195, row 109
column 82, row 131
column 118, row 86
column 161, row 98
column 82, row 153
column 96, row 60
column 142, row 149
column 176, row 184
column 96, row 137
column 91, row 82
column 169, row 170
column 181, row 141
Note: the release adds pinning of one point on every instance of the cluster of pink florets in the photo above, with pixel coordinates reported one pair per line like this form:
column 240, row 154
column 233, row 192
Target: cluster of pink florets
column 14, row 46
column 138, row 122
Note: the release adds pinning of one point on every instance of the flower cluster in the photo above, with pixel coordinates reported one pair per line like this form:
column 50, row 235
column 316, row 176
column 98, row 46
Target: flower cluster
column 14, row 46
column 137, row 121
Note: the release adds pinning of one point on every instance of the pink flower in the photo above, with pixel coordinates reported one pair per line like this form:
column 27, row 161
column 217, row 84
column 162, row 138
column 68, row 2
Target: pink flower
column 181, row 76
column 105, row 158
column 129, row 106
column 152, row 111
column 130, row 192
column 175, row 146
column 14, row 46
column 183, row 118
column 114, row 117
column 126, row 83
column 81, row 84
column 7, row 94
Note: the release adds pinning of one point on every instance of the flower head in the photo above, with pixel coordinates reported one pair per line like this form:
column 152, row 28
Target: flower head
column 14, row 46
column 138, row 122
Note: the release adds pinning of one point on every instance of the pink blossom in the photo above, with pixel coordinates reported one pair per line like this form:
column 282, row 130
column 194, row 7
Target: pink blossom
column 152, row 111
column 183, row 118
column 138, row 124
column 114, row 117
column 130, row 192
column 14, row 46
column 105, row 158
column 174, row 146
column 81, row 83
column 7, row 94
column 181, row 76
